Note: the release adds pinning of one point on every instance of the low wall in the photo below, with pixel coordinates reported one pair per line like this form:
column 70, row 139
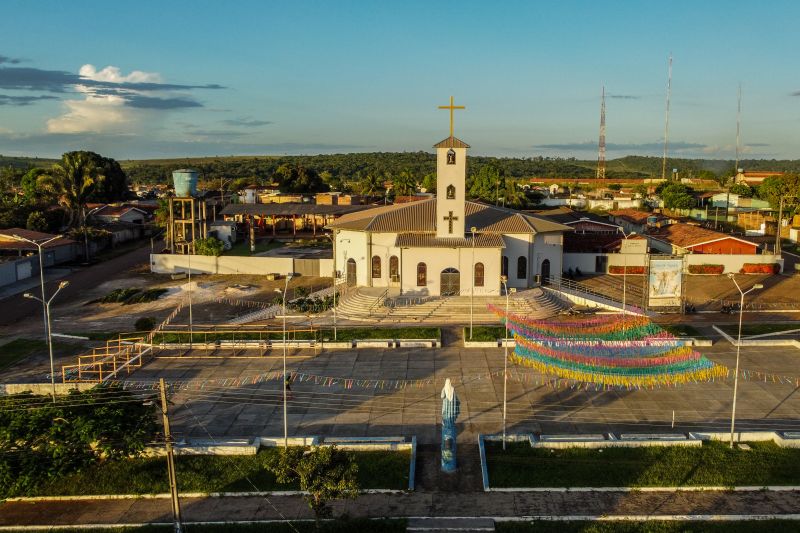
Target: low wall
column 226, row 264
column 732, row 262
column 43, row 389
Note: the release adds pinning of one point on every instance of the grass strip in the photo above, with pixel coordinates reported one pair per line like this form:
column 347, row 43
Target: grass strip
column 652, row 526
column 342, row 334
column 485, row 333
column 713, row 464
column 681, row 330
column 352, row 525
column 215, row 473
column 18, row 349
column 758, row 329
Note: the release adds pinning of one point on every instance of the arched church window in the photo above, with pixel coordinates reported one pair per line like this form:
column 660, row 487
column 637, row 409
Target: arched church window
column 451, row 192
column 376, row 266
column 394, row 268
column 504, row 266
column 522, row 267
column 478, row 282
column 451, row 157
column 422, row 275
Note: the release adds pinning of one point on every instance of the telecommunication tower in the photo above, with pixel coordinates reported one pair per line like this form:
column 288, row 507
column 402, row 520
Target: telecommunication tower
column 666, row 121
column 601, row 154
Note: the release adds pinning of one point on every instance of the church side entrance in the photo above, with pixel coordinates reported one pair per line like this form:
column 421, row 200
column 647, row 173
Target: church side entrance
column 450, row 282
column 351, row 273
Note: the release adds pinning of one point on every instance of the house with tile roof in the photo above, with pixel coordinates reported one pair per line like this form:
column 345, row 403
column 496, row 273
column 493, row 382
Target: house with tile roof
column 446, row 245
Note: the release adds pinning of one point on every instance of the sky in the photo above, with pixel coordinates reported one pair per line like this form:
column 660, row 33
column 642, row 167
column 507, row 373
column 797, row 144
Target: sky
column 155, row 79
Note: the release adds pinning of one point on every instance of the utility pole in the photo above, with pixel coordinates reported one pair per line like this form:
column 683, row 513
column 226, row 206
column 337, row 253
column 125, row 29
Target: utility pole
column 666, row 121
column 601, row 154
column 173, row 480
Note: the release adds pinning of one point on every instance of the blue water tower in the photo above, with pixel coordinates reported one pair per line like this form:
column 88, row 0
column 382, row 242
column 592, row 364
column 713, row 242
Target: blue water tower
column 185, row 181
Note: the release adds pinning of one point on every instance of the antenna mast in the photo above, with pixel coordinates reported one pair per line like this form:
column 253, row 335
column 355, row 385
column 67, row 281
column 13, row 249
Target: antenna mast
column 666, row 120
column 601, row 155
column 738, row 124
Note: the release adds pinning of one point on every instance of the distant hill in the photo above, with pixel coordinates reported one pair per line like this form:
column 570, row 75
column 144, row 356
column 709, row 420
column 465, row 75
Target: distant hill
column 350, row 166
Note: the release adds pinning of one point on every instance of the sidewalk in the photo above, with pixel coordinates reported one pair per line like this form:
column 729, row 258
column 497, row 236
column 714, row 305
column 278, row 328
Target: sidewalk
column 415, row 504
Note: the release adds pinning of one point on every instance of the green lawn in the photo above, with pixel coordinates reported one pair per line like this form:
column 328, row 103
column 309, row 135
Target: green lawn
column 243, row 248
column 681, row 330
column 713, row 464
column 353, row 525
column 652, row 526
column 342, row 334
column 346, row 334
column 758, row 329
column 215, row 473
column 19, row 349
column 485, row 333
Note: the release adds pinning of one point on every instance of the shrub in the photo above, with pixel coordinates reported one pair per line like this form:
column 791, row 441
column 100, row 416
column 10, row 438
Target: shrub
column 150, row 295
column 145, row 323
column 760, row 268
column 117, row 296
column 209, row 246
column 619, row 269
column 706, row 269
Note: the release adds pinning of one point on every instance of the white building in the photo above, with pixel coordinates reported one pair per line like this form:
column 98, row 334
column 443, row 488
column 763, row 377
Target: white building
column 442, row 245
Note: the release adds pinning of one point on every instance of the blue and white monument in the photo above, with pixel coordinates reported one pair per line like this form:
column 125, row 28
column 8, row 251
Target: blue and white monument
column 451, row 408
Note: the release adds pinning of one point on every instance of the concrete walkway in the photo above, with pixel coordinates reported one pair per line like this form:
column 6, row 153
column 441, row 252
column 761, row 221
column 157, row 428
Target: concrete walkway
column 416, row 504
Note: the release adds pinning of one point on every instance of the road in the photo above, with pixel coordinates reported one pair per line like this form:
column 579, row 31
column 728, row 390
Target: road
column 16, row 308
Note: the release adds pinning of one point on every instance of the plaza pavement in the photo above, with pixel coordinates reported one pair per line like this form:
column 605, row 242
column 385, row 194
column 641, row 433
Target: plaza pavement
column 316, row 407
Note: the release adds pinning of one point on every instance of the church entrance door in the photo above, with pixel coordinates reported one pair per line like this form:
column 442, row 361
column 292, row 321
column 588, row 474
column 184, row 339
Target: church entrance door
column 450, row 282
column 351, row 272
column 545, row 271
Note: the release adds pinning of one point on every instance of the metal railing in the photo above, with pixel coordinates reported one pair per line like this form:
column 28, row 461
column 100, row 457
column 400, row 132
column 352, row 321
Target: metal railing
column 561, row 283
column 378, row 302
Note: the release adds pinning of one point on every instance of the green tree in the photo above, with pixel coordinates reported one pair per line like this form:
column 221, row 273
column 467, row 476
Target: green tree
column 114, row 185
column 298, row 178
column 405, row 184
column 676, row 196
column 487, row 183
column 429, row 183
column 29, row 184
column 37, row 222
column 73, row 180
column 371, row 184
column 742, row 189
column 775, row 187
column 325, row 472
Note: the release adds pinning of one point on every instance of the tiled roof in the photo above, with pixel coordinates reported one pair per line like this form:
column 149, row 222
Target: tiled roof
column 8, row 242
column 421, row 217
column 429, row 240
column 115, row 210
column 633, row 215
column 687, row 235
column 291, row 209
column 451, row 142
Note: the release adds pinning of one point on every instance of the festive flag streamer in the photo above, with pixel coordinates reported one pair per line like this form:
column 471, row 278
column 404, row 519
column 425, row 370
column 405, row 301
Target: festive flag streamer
column 625, row 351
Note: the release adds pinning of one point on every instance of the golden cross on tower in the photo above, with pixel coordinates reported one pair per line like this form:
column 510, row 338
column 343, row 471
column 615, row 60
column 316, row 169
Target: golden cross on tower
column 451, row 107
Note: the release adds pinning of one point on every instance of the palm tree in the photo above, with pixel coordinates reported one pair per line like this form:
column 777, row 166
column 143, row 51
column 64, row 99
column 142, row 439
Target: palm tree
column 73, row 180
column 405, row 184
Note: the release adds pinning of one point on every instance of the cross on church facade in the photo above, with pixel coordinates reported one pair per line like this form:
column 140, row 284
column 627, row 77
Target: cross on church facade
column 450, row 219
column 451, row 107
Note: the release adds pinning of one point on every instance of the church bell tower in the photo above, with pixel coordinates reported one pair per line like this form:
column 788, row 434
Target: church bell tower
column 451, row 172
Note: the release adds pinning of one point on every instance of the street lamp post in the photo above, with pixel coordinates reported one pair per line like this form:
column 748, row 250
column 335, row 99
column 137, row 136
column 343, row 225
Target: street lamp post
column 473, row 229
column 283, row 305
column 46, row 304
column 504, row 281
column 738, row 346
column 39, row 245
column 333, row 281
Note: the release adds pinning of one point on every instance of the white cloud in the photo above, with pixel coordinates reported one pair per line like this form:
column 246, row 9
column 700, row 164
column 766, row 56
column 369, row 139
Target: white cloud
column 114, row 75
column 103, row 113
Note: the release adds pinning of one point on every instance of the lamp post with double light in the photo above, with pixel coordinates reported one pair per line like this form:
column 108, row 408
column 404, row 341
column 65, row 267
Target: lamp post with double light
column 472, row 230
column 283, row 305
column 40, row 244
column 504, row 281
column 46, row 304
column 738, row 346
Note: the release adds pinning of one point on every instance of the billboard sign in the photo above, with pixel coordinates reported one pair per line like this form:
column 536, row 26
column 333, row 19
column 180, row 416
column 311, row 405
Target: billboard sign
column 664, row 284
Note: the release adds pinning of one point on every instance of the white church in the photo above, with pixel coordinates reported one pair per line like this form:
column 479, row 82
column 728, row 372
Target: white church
column 446, row 245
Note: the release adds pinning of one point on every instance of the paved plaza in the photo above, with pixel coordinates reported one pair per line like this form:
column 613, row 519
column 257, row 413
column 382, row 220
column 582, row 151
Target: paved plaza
column 319, row 407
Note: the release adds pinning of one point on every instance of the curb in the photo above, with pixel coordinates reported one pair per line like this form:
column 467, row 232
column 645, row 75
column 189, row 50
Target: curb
column 699, row 488
column 166, row 496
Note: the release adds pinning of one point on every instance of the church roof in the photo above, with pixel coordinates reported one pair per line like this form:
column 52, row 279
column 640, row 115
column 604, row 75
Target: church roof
column 451, row 142
column 420, row 217
column 429, row 240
